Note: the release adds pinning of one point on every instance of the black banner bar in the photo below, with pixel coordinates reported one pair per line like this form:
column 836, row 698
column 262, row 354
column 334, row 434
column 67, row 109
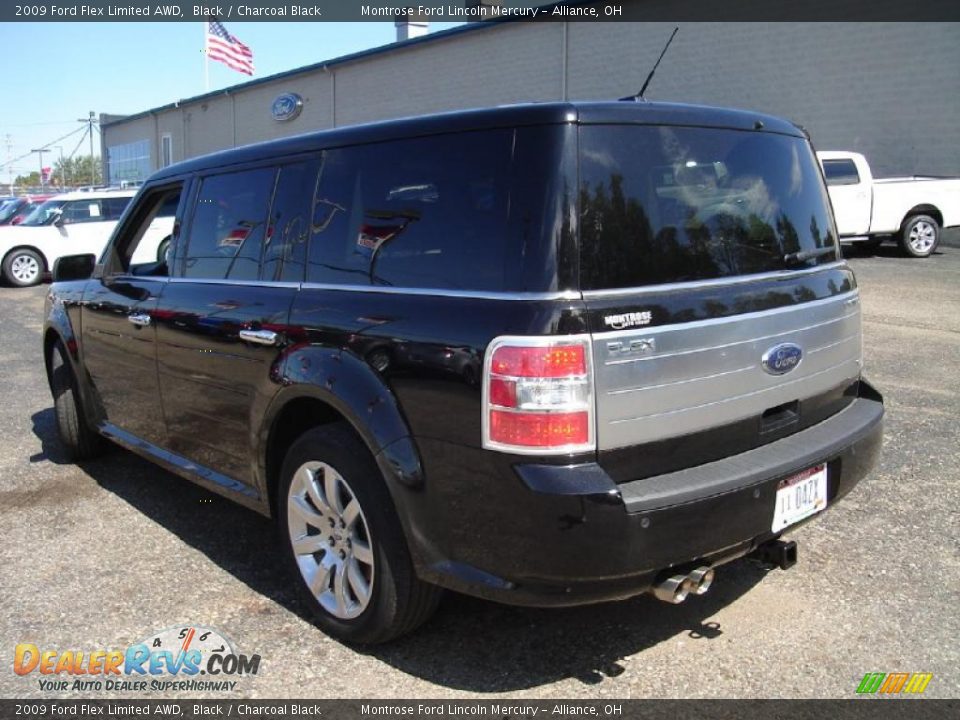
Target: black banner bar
column 476, row 10
column 495, row 709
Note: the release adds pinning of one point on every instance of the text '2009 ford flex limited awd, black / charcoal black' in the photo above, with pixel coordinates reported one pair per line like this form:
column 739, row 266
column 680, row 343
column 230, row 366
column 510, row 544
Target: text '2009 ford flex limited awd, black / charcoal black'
column 545, row 354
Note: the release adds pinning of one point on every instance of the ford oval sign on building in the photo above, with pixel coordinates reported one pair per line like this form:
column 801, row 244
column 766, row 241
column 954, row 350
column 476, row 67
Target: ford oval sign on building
column 781, row 359
column 286, row 106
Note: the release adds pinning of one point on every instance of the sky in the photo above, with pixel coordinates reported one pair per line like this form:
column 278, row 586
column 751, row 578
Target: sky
column 55, row 73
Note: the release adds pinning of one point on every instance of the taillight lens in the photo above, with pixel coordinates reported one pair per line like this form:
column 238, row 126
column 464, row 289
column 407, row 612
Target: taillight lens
column 538, row 395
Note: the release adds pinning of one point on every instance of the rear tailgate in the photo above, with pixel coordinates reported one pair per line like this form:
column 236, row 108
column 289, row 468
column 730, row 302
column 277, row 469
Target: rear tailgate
column 691, row 386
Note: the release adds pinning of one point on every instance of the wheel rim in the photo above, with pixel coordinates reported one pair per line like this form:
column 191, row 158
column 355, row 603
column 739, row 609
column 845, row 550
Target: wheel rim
column 922, row 236
column 25, row 268
column 330, row 540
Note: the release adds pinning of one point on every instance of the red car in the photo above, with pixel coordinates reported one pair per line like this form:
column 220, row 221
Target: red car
column 14, row 210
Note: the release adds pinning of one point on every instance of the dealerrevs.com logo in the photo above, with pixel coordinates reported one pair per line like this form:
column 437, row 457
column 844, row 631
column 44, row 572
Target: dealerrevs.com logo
column 187, row 658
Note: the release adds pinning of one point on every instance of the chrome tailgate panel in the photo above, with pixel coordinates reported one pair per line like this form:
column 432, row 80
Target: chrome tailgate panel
column 662, row 382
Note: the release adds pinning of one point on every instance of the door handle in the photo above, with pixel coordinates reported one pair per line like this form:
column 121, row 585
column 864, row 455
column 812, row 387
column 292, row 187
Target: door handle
column 261, row 337
column 139, row 319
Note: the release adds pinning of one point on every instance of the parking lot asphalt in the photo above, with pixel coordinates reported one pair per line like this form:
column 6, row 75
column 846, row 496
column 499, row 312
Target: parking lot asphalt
column 99, row 556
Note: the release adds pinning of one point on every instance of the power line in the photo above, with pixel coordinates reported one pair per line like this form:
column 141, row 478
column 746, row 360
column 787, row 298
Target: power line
column 42, row 147
column 82, row 138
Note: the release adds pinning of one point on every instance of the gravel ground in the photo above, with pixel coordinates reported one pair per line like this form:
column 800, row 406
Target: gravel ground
column 100, row 556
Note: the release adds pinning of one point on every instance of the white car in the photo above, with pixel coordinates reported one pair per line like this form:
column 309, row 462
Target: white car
column 910, row 209
column 73, row 224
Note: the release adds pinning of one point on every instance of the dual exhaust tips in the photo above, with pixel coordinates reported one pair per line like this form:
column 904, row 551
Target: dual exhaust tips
column 676, row 587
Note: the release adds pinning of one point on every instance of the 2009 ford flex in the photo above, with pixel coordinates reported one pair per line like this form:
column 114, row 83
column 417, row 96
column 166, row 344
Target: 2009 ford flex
column 546, row 354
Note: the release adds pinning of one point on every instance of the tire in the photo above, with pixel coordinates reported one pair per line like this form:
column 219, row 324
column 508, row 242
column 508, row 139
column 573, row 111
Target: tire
column 23, row 267
column 920, row 236
column 80, row 440
column 162, row 249
column 351, row 548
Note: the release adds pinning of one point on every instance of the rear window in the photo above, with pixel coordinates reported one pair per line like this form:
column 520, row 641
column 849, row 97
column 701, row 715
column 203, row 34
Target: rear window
column 840, row 172
column 677, row 204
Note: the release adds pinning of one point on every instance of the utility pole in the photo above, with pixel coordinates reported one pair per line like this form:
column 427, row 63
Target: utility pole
column 9, row 159
column 41, row 151
column 63, row 168
column 91, row 121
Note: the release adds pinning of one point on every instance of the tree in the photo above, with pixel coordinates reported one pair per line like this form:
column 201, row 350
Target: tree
column 28, row 181
column 77, row 171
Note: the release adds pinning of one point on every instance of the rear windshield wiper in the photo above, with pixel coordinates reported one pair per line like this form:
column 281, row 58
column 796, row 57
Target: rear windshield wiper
column 803, row 255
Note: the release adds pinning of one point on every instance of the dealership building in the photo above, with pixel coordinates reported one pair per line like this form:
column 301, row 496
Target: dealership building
column 888, row 90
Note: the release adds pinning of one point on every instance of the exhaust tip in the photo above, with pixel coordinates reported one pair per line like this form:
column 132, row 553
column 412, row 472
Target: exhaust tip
column 700, row 580
column 673, row 590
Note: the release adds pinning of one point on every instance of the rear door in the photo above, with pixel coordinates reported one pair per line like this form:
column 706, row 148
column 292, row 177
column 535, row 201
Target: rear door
column 221, row 327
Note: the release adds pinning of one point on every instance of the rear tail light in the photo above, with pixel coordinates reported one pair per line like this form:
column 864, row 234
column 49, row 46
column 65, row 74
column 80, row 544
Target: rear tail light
column 538, row 395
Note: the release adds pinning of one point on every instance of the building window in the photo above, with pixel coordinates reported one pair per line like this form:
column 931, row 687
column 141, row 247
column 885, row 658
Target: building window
column 128, row 163
column 166, row 150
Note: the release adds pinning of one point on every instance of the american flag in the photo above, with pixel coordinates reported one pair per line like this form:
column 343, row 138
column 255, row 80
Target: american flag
column 224, row 47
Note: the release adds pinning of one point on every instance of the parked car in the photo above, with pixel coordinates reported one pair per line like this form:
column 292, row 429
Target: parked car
column 667, row 339
column 67, row 225
column 17, row 210
column 910, row 210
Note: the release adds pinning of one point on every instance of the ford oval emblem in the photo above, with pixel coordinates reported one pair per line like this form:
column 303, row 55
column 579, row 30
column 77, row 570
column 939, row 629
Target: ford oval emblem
column 286, row 106
column 781, row 359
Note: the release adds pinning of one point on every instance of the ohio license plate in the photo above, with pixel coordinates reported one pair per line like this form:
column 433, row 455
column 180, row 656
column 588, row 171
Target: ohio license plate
column 800, row 496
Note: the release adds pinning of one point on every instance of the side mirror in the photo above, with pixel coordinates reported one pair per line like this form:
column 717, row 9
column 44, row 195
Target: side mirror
column 74, row 267
column 58, row 217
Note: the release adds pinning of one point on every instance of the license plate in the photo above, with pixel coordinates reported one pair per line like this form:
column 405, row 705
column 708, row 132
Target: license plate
column 800, row 496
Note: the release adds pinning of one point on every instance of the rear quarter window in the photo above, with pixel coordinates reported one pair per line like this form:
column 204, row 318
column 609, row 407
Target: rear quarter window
column 468, row 211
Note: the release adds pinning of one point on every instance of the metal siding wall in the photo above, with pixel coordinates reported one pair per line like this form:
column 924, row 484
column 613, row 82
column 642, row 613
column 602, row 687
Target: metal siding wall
column 209, row 126
column 495, row 66
column 889, row 90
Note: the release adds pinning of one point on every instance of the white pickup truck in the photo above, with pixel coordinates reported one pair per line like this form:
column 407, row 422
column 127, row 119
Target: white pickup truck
column 911, row 210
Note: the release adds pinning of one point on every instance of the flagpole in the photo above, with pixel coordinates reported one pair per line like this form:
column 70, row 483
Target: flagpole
column 206, row 61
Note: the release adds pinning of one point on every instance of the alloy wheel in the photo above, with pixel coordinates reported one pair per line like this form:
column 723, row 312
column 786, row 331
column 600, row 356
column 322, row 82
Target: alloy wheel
column 330, row 540
column 922, row 237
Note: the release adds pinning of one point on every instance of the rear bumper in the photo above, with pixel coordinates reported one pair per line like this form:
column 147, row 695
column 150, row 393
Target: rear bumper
column 568, row 535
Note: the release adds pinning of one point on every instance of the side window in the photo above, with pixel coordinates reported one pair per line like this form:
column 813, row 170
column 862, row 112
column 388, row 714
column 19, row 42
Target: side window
column 840, row 172
column 288, row 228
column 113, row 207
column 140, row 245
column 422, row 213
column 228, row 225
column 81, row 211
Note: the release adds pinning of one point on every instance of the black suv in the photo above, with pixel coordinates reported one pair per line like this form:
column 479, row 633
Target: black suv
column 546, row 354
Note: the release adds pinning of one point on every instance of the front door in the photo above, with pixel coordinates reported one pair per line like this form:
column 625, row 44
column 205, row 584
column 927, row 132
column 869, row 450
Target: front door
column 118, row 331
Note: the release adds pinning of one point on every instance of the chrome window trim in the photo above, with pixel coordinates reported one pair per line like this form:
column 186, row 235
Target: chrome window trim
column 476, row 294
column 248, row 283
column 717, row 282
column 568, row 295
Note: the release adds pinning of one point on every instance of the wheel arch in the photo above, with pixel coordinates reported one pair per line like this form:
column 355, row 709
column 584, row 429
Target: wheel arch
column 923, row 209
column 47, row 265
column 323, row 386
